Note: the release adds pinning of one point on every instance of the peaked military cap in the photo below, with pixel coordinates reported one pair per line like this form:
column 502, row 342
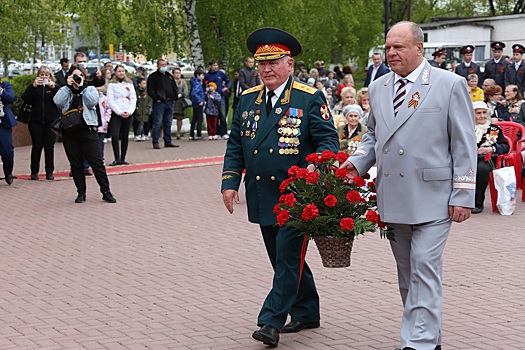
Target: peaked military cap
column 440, row 52
column 497, row 45
column 518, row 48
column 466, row 49
column 272, row 43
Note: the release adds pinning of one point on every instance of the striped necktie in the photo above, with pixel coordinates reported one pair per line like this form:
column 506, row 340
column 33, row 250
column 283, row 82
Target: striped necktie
column 400, row 95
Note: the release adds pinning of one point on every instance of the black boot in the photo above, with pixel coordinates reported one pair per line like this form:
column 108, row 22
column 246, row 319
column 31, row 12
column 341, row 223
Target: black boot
column 81, row 198
column 108, row 197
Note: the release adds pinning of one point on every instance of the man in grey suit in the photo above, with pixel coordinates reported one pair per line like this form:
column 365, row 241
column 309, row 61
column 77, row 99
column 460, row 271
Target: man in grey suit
column 425, row 150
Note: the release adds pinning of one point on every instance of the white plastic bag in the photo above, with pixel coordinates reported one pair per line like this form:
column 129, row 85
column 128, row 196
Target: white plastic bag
column 505, row 183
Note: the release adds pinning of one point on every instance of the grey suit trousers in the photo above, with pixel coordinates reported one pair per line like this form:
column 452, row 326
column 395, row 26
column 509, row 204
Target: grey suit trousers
column 418, row 251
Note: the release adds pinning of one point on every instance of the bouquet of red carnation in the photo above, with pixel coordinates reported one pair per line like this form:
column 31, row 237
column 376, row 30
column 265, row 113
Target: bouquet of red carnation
column 322, row 203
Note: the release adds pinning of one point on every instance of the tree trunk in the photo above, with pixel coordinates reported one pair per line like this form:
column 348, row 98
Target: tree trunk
column 492, row 8
column 193, row 30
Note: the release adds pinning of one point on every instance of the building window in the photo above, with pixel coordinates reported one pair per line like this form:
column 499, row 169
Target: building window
column 479, row 53
column 425, row 37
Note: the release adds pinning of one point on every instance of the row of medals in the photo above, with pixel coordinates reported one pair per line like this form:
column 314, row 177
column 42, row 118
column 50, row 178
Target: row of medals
column 254, row 124
column 290, row 131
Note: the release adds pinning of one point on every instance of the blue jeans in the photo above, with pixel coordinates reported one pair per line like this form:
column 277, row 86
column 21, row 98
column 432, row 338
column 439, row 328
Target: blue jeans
column 162, row 114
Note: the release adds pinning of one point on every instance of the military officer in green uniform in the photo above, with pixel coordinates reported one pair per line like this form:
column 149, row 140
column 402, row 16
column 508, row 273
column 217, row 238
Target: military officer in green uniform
column 276, row 125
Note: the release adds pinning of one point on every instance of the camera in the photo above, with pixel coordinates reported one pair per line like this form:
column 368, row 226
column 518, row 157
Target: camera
column 77, row 78
column 45, row 81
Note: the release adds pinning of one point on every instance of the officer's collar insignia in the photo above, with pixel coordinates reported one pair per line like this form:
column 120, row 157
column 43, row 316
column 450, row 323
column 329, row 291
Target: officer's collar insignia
column 425, row 77
column 278, row 110
column 286, row 98
column 415, row 100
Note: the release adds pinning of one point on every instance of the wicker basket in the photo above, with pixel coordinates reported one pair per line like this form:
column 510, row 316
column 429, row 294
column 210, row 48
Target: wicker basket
column 335, row 252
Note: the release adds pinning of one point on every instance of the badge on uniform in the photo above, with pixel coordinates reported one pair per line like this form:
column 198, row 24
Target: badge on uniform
column 325, row 112
column 415, row 100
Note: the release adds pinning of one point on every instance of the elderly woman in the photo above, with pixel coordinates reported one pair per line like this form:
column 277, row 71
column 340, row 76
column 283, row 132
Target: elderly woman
column 490, row 140
column 497, row 108
column 350, row 135
column 347, row 98
column 514, row 100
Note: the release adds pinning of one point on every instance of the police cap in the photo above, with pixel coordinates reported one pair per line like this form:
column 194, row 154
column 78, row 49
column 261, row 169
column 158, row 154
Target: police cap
column 497, row 45
column 272, row 43
column 466, row 49
column 518, row 48
column 440, row 52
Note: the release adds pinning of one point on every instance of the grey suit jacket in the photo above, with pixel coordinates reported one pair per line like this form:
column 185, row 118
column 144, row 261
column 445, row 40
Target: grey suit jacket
column 426, row 156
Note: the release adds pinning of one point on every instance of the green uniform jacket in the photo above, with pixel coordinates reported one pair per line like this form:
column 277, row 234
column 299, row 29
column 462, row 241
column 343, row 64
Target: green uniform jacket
column 299, row 124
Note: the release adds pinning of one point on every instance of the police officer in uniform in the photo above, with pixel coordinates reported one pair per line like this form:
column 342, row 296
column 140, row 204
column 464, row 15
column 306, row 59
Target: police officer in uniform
column 467, row 66
column 439, row 59
column 7, row 122
column 496, row 67
column 276, row 125
column 515, row 73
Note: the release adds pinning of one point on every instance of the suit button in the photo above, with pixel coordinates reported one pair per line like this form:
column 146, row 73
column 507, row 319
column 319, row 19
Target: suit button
column 271, row 150
column 401, row 152
column 386, row 173
column 255, row 152
column 401, row 174
column 257, row 178
column 385, row 151
column 273, row 178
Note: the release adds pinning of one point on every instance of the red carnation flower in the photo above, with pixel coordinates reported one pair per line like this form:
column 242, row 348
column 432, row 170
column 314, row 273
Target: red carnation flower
column 276, row 209
column 310, row 212
column 312, row 177
column 312, row 158
column 330, row 201
column 346, row 224
column 371, row 186
column 359, row 181
column 290, row 200
column 341, row 173
column 283, row 217
column 341, row 157
column 327, row 155
column 293, row 170
column 284, row 185
column 371, row 216
column 488, row 156
column 353, row 196
column 302, row 173
column 380, row 223
column 366, row 176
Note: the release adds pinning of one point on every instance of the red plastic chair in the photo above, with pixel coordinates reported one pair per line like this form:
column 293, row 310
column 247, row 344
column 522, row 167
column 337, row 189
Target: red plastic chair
column 492, row 187
column 515, row 132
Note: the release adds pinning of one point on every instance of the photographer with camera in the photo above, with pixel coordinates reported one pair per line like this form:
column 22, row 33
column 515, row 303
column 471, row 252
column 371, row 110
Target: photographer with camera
column 83, row 142
column 40, row 95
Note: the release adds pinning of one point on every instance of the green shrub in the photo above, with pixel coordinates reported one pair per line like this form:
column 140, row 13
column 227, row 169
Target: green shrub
column 20, row 84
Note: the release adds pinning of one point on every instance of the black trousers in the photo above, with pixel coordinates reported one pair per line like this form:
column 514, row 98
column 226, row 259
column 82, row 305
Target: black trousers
column 119, row 130
column 197, row 121
column 42, row 138
column 84, row 144
column 482, row 181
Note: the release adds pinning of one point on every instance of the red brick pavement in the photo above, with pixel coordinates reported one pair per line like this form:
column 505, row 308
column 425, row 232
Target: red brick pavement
column 168, row 268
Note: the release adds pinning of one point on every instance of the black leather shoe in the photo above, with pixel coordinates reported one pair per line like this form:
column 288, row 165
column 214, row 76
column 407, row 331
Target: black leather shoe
column 87, row 173
column 171, row 145
column 50, row 177
column 123, row 162
column 34, row 176
column 9, row 178
column 115, row 162
column 296, row 326
column 477, row 210
column 108, row 197
column 438, row 347
column 156, row 146
column 268, row 335
column 81, row 198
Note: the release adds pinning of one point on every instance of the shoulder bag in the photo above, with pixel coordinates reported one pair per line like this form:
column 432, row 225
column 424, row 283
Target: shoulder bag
column 24, row 114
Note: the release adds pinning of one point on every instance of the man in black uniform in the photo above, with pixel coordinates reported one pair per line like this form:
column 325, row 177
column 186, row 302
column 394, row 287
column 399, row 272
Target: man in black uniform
column 515, row 73
column 439, row 59
column 496, row 67
column 467, row 66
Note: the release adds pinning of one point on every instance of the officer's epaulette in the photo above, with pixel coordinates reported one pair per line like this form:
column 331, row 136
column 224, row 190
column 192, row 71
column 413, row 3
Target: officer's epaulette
column 303, row 87
column 253, row 89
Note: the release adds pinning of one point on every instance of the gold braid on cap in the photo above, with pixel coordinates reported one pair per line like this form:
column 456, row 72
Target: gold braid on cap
column 269, row 52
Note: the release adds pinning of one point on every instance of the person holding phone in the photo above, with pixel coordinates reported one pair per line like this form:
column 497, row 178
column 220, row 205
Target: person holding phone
column 40, row 95
column 83, row 143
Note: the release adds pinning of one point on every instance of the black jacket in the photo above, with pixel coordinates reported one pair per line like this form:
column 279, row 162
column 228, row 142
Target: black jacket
column 40, row 98
column 162, row 87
